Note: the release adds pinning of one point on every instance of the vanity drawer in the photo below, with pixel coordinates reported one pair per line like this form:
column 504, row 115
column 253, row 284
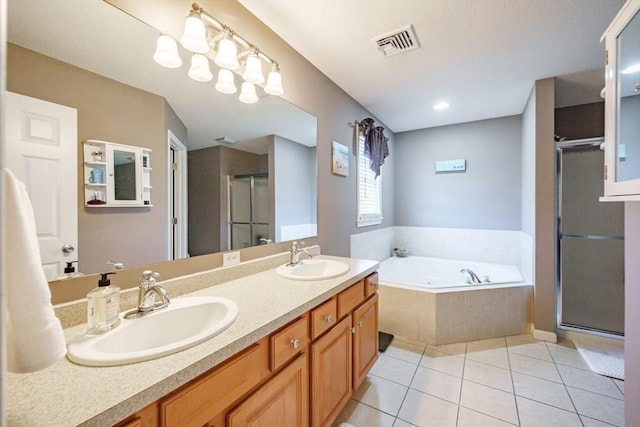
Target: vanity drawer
column 323, row 317
column 199, row 402
column 350, row 299
column 289, row 341
column 371, row 284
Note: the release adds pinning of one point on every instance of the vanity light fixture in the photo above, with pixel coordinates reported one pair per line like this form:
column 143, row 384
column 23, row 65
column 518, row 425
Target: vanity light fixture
column 274, row 81
column 441, row 106
column 199, row 70
column 248, row 93
column 202, row 34
column 167, row 52
column 226, row 83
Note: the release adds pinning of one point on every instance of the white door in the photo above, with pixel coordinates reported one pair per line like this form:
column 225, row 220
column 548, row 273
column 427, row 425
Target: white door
column 41, row 152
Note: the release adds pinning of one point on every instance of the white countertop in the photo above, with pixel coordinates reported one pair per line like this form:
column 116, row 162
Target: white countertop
column 67, row 394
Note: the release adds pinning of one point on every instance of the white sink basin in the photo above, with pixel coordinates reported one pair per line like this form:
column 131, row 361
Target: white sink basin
column 186, row 322
column 313, row 269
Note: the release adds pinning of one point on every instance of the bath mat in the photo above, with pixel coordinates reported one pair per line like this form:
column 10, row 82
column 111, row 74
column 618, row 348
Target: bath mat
column 384, row 339
column 603, row 358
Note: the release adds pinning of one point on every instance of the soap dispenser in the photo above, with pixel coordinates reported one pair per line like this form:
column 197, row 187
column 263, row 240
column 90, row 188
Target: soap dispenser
column 70, row 272
column 103, row 306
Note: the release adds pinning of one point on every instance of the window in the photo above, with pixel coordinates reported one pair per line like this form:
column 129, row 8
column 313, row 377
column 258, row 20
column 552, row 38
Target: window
column 369, row 191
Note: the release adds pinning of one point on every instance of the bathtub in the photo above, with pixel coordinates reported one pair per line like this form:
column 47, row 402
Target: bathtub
column 429, row 300
column 437, row 274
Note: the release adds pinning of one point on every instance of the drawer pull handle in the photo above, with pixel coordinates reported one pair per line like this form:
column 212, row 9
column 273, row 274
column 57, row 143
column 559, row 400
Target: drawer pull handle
column 360, row 324
column 295, row 343
column 329, row 319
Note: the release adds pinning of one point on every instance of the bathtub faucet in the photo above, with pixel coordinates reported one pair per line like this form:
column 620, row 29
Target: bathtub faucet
column 473, row 276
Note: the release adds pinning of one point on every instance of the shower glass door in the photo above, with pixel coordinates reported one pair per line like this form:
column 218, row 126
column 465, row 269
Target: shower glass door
column 591, row 244
column 248, row 210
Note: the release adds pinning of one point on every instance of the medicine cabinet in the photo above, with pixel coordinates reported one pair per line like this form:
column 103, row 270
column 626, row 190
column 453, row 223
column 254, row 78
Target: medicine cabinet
column 116, row 175
column 622, row 105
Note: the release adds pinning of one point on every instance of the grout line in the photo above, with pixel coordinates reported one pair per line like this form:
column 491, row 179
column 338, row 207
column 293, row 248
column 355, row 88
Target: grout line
column 513, row 387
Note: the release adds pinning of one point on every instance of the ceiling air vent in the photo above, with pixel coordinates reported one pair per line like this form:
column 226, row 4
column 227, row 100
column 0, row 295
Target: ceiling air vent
column 396, row 42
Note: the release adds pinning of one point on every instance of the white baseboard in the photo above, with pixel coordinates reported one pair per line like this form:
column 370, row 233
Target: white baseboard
column 544, row 335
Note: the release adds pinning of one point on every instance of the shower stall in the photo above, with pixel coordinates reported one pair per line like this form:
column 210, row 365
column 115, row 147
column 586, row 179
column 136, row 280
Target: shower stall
column 590, row 280
column 248, row 210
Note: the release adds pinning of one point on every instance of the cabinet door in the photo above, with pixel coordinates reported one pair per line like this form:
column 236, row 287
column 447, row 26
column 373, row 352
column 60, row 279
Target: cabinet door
column 365, row 340
column 282, row 401
column 124, row 180
column 331, row 373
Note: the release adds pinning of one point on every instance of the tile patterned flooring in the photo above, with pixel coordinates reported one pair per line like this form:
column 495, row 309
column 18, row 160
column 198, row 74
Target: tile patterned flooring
column 495, row 382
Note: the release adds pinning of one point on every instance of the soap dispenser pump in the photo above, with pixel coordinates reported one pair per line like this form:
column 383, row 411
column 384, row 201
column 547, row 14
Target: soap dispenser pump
column 70, row 272
column 103, row 306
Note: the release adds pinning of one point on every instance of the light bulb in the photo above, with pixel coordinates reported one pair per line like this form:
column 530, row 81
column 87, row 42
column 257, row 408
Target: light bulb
column 199, row 70
column 227, row 56
column 253, row 70
column 248, row 93
column 167, row 52
column 194, row 37
column 226, row 83
column 274, row 83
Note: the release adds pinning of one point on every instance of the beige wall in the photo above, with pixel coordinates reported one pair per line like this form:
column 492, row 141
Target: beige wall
column 207, row 192
column 109, row 111
column 538, row 198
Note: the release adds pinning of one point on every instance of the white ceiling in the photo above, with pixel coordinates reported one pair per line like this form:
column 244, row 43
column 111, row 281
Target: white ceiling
column 481, row 56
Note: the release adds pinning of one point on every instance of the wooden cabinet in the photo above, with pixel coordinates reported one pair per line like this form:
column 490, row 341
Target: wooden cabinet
column 282, row 401
column 207, row 397
column 622, row 105
column 341, row 359
column 302, row 374
column 331, row 364
column 365, row 339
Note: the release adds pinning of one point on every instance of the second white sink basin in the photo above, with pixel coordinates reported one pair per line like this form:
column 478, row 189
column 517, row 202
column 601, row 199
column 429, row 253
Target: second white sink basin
column 314, row 269
column 186, row 322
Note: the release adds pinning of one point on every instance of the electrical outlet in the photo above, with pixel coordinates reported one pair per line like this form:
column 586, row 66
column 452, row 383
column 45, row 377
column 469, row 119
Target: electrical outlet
column 230, row 258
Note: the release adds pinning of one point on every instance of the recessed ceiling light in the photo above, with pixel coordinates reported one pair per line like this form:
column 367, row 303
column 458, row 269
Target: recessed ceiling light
column 441, row 106
column 635, row 68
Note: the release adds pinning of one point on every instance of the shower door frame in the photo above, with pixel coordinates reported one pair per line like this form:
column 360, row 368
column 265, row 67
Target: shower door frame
column 559, row 147
column 251, row 223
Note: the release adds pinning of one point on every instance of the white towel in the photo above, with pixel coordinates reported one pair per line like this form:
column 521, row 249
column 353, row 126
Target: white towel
column 35, row 339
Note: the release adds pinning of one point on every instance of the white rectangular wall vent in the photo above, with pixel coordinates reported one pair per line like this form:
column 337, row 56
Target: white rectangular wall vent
column 396, row 42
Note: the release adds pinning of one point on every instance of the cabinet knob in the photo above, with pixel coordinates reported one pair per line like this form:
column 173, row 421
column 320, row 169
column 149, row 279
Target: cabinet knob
column 329, row 319
column 295, row 343
column 360, row 324
column 353, row 330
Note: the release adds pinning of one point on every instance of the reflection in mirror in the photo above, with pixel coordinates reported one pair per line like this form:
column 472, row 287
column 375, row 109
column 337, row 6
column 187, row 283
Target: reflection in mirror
column 124, row 175
column 628, row 143
column 123, row 96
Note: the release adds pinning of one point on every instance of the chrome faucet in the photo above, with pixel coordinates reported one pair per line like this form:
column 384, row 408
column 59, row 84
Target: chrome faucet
column 473, row 276
column 295, row 250
column 147, row 292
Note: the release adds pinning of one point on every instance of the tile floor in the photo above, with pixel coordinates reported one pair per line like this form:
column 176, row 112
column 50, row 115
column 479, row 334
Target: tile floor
column 495, row 382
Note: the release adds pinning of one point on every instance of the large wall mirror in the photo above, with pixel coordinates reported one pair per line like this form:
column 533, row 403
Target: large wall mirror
column 252, row 175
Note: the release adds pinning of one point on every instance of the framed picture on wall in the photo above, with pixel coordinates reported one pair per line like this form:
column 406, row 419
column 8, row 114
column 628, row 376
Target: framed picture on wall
column 339, row 159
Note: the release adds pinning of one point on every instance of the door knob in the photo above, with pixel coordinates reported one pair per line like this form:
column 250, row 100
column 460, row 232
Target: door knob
column 67, row 249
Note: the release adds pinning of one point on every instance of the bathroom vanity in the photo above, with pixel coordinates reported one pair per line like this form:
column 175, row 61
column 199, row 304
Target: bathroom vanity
column 294, row 356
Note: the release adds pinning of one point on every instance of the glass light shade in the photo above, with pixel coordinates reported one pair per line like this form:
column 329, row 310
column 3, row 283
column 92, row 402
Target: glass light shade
column 194, row 37
column 199, row 70
column 253, row 70
column 167, row 52
column 248, row 93
column 227, row 55
column 226, row 83
column 274, row 83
